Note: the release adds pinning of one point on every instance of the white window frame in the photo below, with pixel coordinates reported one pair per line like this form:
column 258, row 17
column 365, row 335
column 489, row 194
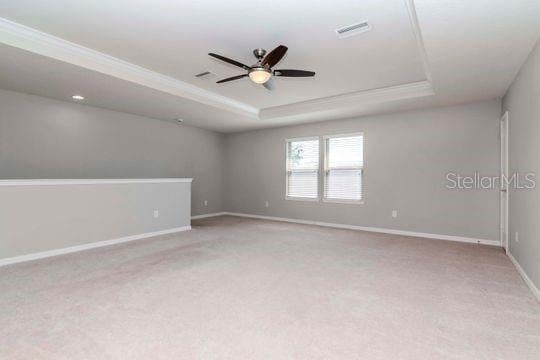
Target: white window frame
column 326, row 169
column 296, row 198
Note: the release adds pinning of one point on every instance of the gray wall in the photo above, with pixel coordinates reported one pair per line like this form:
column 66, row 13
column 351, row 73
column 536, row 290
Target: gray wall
column 406, row 155
column 42, row 218
column 406, row 158
column 523, row 104
column 43, row 138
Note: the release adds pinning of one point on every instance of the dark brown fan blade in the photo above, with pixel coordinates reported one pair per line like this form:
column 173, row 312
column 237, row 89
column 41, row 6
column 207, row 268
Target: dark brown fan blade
column 230, row 61
column 293, row 73
column 274, row 56
column 232, row 78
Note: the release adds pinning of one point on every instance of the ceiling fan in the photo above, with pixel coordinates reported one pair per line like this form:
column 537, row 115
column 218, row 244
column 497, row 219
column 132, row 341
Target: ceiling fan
column 261, row 72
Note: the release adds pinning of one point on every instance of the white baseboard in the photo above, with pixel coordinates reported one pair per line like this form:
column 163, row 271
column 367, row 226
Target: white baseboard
column 528, row 281
column 208, row 215
column 373, row 229
column 72, row 249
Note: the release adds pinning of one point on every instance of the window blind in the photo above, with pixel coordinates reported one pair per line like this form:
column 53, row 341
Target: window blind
column 303, row 168
column 344, row 163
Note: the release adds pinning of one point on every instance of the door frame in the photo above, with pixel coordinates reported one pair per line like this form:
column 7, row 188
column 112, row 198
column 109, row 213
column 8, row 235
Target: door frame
column 504, row 191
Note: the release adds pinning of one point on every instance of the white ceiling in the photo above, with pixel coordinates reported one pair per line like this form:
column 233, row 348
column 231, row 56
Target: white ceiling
column 26, row 72
column 140, row 57
column 174, row 38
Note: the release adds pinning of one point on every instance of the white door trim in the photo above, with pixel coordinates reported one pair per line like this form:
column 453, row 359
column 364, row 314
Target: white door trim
column 504, row 191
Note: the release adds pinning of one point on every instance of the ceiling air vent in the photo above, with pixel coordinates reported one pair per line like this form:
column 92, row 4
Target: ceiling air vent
column 353, row 29
column 204, row 75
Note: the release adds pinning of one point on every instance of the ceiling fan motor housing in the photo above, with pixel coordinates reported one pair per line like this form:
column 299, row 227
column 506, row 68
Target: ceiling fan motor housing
column 259, row 53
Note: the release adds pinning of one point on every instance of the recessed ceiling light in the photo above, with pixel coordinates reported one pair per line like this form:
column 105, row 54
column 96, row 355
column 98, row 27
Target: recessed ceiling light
column 77, row 97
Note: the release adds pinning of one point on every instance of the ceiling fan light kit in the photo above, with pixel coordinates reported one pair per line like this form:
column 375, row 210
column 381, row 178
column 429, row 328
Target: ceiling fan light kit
column 261, row 72
column 259, row 75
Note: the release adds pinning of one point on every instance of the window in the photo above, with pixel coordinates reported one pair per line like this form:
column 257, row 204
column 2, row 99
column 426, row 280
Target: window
column 303, row 168
column 343, row 167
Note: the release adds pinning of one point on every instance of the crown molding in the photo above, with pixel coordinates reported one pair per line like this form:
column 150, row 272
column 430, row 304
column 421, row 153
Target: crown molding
column 368, row 97
column 413, row 17
column 38, row 42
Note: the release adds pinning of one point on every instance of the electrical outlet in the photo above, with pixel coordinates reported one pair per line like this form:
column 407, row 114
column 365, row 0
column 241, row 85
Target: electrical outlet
column 266, row 204
column 394, row 213
column 516, row 238
column 156, row 214
column 205, row 202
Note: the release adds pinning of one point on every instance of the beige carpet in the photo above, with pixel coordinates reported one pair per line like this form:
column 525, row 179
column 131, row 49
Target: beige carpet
column 235, row 288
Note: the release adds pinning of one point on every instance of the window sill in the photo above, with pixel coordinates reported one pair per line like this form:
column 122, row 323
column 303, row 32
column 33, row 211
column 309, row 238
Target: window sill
column 338, row 201
column 301, row 199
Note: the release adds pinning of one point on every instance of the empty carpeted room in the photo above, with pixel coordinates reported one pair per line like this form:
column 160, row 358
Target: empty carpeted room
column 349, row 179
